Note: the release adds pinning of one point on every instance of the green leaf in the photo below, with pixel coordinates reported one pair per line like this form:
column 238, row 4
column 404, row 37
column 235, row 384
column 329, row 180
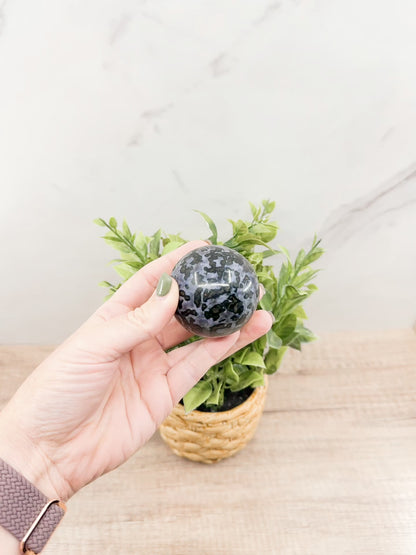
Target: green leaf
column 266, row 232
column 197, row 395
column 130, row 257
column 133, row 259
column 239, row 355
column 260, row 344
column 268, row 207
column 266, row 302
column 273, row 359
column 245, row 241
column 126, row 230
column 253, row 359
column 250, row 378
column 273, row 340
column 215, row 395
column 299, row 259
column 134, row 265
column 295, row 343
column 300, row 313
column 291, row 298
column 268, row 253
column 265, row 277
column 239, row 227
column 113, row 223
column 117, row 244
column 105, row 284
column 111, row 235
column 255, row 259
column 239, row 368
column 284, row 251
column 100, row 222
column 304, row 277
column 291, row 292
column 154, row 245
column 124, row 270
column 285, row 328
column 305, row 334
column 140, row 244
column 230, row 374
column 255, row 211
column 282, row 280
column 212, row 227
column 312, row 287
column 290, row 305
column 175, row 237
column 314, row 253
column 171, row 246
column 312, row 256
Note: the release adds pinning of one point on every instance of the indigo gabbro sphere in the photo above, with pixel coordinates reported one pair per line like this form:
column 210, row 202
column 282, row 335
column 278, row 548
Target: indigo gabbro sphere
column 218, row 291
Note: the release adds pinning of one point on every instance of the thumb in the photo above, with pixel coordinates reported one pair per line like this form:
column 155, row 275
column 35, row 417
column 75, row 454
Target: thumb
column 120, row 334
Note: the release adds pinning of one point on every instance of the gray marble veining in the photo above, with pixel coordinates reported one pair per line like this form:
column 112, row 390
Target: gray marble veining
column 148, row 110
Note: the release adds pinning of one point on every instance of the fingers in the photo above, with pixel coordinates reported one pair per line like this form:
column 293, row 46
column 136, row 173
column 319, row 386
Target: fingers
column 122, row 333
column 258, row 325
column 175, row 333
column 200, row 356
column 189, row 363
column 137, row 289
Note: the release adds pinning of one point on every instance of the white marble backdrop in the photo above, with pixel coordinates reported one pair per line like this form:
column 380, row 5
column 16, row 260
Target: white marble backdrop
column 148, row 109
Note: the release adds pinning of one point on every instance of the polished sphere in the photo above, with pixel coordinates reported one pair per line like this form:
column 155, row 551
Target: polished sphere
column 218, row 291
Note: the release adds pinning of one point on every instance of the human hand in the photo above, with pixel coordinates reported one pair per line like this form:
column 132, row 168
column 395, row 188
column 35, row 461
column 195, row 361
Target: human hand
column 105, row 390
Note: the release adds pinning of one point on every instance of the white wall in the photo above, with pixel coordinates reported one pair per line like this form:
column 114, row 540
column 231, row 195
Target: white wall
column 147, row 109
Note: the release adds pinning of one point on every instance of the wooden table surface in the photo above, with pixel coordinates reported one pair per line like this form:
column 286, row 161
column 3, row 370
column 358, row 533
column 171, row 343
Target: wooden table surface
column 331, row 470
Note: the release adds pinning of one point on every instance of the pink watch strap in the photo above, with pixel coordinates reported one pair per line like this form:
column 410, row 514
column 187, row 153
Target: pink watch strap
column 21, row 503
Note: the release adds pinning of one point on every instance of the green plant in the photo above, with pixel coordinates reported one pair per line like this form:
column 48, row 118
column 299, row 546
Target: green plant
column 284, row 295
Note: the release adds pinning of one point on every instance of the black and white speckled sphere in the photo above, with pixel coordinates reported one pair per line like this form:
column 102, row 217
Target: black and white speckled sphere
column 218, row 291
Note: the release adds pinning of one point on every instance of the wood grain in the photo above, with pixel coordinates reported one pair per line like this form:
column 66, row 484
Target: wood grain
column 331, row 470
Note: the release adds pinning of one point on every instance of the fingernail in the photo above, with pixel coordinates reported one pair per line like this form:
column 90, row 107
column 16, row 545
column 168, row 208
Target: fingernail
column 272, row 315
column 207, row 241
column 164, row 285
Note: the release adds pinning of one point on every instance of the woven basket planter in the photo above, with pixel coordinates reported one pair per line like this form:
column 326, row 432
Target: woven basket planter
column 209, row 437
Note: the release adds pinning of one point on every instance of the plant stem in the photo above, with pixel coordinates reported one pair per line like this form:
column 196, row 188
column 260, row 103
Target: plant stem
column 126, row 242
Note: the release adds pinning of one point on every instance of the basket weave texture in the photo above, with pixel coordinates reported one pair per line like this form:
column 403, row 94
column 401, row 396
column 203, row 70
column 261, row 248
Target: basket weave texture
column 209, row 437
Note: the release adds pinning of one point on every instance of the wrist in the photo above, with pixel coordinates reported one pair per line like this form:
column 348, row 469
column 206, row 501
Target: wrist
column 26, row 513
column 9, row 544
column 17, row 450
